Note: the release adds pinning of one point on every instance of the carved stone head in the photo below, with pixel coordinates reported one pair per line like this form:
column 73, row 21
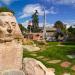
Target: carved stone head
column 9, row 28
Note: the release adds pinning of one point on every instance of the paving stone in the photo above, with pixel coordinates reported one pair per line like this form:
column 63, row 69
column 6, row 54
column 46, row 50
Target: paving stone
column 65, row 64
column 33, row 54
column 60, row 45
column 73, row 67
column 31, row 48
column 66, row 74
column 40, row 57
column 45, row 59
column 54, row 61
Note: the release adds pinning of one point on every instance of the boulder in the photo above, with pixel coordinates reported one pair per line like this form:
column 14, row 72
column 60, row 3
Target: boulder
column 34, row 67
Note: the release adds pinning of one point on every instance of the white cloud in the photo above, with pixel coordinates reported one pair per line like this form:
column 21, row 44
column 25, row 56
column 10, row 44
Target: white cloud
column 47, row 24
column 28, row 10
column 25, row 24
column 62, row 1
column 52, row 10
column 8, row 2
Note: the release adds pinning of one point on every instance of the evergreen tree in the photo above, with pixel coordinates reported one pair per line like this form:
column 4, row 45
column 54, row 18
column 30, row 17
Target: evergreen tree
column 35, row 22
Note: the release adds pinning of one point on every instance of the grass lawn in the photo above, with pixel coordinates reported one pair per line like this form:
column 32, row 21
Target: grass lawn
column 52, row 51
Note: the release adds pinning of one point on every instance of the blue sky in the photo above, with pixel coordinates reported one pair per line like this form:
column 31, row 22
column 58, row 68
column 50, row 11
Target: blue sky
column 63, row 10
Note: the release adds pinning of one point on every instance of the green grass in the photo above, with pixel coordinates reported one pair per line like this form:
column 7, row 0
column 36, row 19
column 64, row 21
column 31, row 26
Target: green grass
column 52, row 51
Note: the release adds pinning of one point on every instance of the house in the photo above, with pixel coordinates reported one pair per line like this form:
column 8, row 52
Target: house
column 34, row 36
column 50, row 33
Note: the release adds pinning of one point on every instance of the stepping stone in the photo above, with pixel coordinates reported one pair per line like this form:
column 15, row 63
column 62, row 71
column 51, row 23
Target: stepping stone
column 51, row 69
column 31, row 48
column 40, row 57
column 33, row 54
column 60, row 45
column 65, row 64
column 45, row 59
column 13, row 72
column 54, row 61
column 73, row 67
column 71, row 56
column 66, row 74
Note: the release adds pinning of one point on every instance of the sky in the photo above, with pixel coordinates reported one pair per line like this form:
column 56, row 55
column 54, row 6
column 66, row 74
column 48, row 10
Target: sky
column 63, row 10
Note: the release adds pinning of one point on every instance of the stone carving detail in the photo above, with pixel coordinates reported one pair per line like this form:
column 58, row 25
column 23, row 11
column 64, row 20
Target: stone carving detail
column 33, row 67
column 10, row 43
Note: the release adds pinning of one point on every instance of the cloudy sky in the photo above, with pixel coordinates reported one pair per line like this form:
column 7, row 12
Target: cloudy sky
column 63, row 10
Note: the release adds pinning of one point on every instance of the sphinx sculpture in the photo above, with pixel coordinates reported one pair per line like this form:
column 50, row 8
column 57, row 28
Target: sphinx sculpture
column 10, row 42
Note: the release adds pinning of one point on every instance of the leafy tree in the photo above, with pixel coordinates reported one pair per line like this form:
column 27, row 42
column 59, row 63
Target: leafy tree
column 29, row 27
column 5, row 9
column 60, row 25
column 61, row 29
column 35, row 22
column 71, row 30
column 71, row 33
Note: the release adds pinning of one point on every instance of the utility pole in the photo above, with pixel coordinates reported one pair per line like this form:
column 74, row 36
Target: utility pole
column 44, row 25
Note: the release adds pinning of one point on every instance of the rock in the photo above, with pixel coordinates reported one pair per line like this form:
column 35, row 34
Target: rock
column 13, row 72
column 31, row 48
column 34, row 67
column 73, row 67
column 65, row 64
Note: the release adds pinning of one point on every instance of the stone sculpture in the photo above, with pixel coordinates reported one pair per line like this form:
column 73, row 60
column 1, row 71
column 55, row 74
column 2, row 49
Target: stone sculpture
column 10, row 42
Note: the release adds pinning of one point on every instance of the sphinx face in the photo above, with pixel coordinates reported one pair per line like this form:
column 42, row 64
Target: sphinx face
column 9, row 28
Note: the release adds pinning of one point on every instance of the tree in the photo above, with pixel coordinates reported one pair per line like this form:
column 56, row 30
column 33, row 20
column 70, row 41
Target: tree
column 35, row 22
column 5, row 9
column 61, row 29
column 71, row 33
column 23, row 29
column 60, row 25
column 71, row 30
